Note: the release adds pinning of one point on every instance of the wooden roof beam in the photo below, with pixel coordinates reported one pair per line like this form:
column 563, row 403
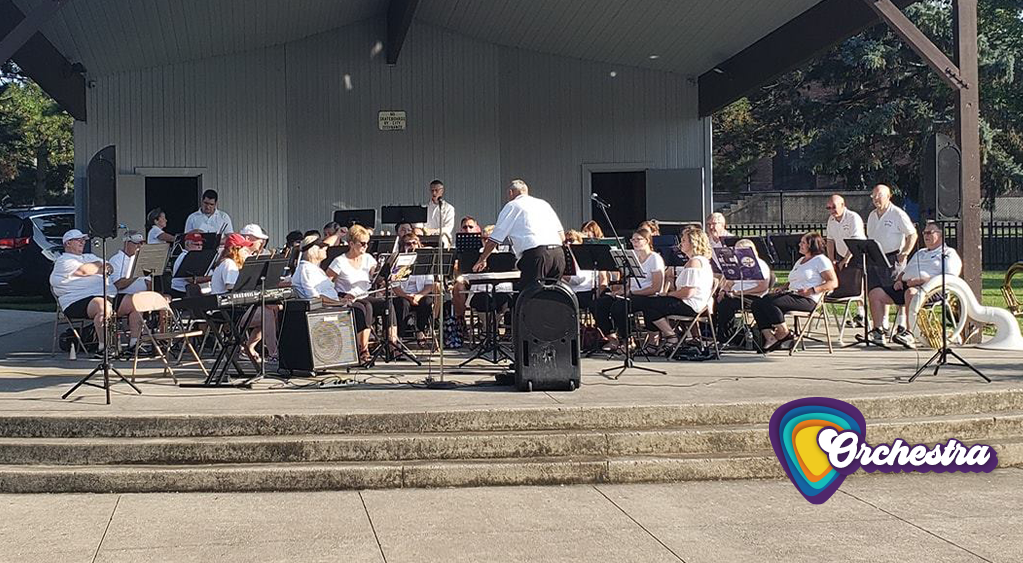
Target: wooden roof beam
column 785, row 48
column 399, row 18
column 39, row 59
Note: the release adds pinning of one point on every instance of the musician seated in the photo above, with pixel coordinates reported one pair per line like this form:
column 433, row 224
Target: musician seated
column 585, row 283
column 609, row 310
column 254, row 234
column 179, row 285
column 236, row 250
column 414, row 294
column 692, row 287
column 131, row 290
column 402, row 229
column 728, row 298
column 924, row 265
column 353, row 273
column 591, row 229
column 460, row 287
column 811, row 277
column 77, row 283
column 334, row 234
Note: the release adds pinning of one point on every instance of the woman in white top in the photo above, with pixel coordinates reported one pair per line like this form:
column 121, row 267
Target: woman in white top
column 586, row 284
column 692, row 291
column 812, row 276
column 728, row 299
column 236, row 250
column 157, row 221
column 609, row 310
column 352, row 273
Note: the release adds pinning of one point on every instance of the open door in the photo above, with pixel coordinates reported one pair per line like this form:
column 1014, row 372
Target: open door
column 676, row 195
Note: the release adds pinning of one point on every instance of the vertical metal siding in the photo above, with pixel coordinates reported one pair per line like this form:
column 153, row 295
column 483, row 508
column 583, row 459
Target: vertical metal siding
column 285, row 142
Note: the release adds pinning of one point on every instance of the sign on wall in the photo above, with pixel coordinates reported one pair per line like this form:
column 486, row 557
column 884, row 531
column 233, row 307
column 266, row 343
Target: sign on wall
column 391, row 120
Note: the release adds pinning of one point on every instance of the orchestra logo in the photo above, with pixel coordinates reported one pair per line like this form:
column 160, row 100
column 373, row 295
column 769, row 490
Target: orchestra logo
column 820, row 441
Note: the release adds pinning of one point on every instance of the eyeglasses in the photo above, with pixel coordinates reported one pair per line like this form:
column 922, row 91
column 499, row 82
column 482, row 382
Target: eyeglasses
column 930, row 232
column 360, row 242
column 830, row 207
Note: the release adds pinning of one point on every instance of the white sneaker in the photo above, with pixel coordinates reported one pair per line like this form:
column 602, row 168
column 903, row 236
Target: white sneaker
column 906, row 339
column 876, row 336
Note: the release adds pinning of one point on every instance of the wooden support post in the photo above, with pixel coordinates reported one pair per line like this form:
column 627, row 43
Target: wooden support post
column 964, row 29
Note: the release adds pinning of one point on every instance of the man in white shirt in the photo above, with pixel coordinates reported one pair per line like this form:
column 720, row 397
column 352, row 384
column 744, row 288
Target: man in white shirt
column 309, row 280
column 843, row 223
column 129, row 289
column 440, row 215
column 77, row 283
column 925, row 264
column 894, row 232
column 535, row 233
column 209, row 219
column 717, row 229
column 254, row 234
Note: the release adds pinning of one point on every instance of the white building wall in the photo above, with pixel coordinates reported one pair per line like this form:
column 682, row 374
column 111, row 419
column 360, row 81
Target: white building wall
column 285, row 142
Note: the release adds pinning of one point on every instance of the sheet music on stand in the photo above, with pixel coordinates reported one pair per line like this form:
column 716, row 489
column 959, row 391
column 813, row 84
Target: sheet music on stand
column 738, row 264
column 628, row 262
column 151, row 259
column 427, row 261
column 196, row 264
column 765, row 250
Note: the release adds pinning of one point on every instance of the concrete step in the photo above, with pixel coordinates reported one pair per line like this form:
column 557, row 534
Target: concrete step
column 469, row 446
column 562, row 418
column 370, row 475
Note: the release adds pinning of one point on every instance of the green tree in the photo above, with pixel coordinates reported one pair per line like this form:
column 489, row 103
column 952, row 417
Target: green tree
column 36, row 144
column 863, row 109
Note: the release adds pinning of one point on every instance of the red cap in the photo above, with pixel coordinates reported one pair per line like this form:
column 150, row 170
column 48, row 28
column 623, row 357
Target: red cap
column 234, row 239
column 194, row 237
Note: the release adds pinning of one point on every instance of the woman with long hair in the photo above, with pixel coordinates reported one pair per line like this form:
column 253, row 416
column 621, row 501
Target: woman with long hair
column 692, row 287
column 811, row 277
column 237, row 250
column 609, row 310
column 591, row 229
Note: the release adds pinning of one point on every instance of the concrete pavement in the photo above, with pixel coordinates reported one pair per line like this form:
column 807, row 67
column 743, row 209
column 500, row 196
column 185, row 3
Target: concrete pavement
column 916, row 517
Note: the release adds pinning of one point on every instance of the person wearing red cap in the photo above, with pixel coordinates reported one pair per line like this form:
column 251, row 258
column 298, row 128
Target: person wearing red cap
column 193, row 243
column 237, row 249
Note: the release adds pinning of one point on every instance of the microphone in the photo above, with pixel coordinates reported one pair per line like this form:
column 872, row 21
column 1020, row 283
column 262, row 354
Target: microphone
column 596, row 198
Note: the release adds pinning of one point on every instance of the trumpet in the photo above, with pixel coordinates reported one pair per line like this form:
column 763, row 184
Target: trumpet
column 1011, row 302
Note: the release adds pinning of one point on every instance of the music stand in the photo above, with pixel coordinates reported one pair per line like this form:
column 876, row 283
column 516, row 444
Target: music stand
column 786, row 247
column 866, row 251
column 498, row 262
column 667, row 247
column 429, row 241
column 150, row 259
column 766, row 251
column 196, row 263
column 398, row 214
column 349, row 217
column 379, row 244
column 396, row 268
column 740, row 265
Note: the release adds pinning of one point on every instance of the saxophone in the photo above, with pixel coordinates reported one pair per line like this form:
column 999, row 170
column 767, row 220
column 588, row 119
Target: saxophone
column 1011, row 302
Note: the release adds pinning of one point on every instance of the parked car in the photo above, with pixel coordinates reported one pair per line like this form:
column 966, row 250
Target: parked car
column 30, row 240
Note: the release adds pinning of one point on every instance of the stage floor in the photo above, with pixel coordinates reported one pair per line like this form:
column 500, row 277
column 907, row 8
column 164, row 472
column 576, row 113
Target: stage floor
column 32, row 381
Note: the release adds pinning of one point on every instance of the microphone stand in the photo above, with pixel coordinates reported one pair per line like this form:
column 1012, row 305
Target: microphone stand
column 438, row 266
column 627, row 275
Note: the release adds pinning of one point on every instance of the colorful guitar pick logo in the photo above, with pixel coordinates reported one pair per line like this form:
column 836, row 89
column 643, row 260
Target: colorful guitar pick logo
column 820, row 441
column 793, row 430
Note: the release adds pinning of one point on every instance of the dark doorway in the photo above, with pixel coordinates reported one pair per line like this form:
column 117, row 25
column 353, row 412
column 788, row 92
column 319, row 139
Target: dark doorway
column 178, row 196
column 626, row 192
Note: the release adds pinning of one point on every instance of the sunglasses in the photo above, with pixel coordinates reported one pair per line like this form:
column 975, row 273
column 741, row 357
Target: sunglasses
column 360, row 242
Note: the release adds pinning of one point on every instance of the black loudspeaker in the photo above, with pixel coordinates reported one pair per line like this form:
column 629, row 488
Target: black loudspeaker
column 101, row 204
column 545, row 327
column 314, row 340
column 941, row 179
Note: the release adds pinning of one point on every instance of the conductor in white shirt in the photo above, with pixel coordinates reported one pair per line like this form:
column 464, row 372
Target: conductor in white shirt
column 440, row 215
column 535, row 233
column 209, row 219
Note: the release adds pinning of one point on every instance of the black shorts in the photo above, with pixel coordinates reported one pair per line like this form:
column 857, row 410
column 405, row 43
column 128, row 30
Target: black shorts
column 898, row 297
column 79, row 309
